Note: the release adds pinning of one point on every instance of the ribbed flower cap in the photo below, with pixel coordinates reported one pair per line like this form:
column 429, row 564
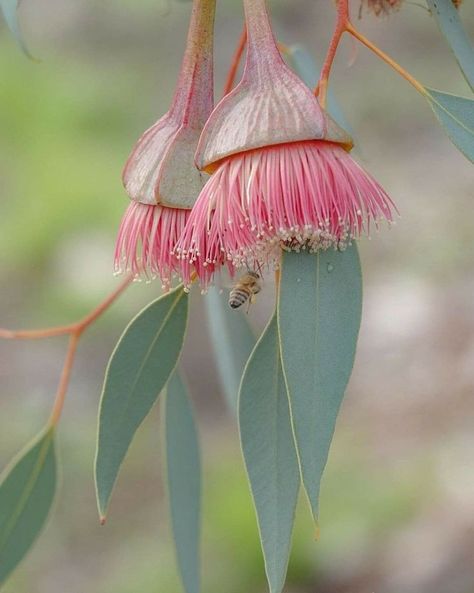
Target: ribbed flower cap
column 160, row 168
column 270, row 105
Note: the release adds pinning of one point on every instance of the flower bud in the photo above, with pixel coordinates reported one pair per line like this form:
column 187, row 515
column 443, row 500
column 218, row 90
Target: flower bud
column 160, row 169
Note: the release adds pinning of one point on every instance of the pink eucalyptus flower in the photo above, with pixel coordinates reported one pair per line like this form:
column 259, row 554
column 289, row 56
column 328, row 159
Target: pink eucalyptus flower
column 160, row 176
column 282, row 174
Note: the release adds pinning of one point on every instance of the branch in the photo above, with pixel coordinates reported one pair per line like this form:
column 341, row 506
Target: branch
column 340, row 28
column 64, row 380
column 72, row 329
column 344, row 25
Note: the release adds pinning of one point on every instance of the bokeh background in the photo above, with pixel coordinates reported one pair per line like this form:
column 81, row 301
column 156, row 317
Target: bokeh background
column 397, row 508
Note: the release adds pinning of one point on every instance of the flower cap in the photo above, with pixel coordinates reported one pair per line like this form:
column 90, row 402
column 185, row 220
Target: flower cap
column 270, row 105
column 161, row 169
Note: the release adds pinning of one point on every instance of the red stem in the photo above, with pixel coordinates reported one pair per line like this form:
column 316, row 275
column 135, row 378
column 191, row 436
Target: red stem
column 236, row 59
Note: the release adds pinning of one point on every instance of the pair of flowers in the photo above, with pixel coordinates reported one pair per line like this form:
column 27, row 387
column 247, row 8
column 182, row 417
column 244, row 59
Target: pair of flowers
column 281, row 176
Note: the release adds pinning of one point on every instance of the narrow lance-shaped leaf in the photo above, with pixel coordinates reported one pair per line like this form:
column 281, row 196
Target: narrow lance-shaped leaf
column 319, row 313
column 456, row 115
column 183, row 477
column 9, row 9
column 269, row 452
column 138, row 370
column 232, row 339
column 27, row 490
column 449, row 22
column 307, row 69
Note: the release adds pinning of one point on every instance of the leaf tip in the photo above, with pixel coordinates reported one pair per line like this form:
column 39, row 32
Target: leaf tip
column 102, row 519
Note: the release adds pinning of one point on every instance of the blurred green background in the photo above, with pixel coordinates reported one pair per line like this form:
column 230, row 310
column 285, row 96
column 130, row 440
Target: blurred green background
column 397, row 508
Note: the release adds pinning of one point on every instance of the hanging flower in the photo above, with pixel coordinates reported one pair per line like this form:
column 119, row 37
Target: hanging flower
column 282, row 175
column 160, row 176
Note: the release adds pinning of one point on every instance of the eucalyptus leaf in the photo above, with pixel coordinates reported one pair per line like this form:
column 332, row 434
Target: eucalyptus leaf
column 27, row 490
column 319, row 314
column 449, row 23
column 232, row 339
column 141, row 364
column 269, row 452
column 9, row 9
column 305, row 65
column 456, row 115
column 183, row 476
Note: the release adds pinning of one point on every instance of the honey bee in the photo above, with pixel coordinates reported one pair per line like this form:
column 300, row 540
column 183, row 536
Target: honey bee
column 245, row 290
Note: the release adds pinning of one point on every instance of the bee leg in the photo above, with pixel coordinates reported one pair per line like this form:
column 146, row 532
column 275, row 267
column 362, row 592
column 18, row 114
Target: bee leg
column 249, row 302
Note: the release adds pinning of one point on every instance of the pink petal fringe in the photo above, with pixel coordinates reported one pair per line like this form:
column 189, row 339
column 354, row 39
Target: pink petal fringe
column 302, row 195
column 146, row 239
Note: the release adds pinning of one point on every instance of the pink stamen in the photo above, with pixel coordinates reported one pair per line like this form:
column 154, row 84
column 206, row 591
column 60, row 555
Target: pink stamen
column 146, row 239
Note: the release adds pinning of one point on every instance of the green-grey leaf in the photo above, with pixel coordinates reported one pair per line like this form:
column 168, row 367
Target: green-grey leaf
column 184, row 480
column 450, row 25
column 307, row 69
column 9, row 9
column 269, row 452
column 456, row 115
column 27, row 490
column 232, row 339
column 141, row 364
column 319, row 313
